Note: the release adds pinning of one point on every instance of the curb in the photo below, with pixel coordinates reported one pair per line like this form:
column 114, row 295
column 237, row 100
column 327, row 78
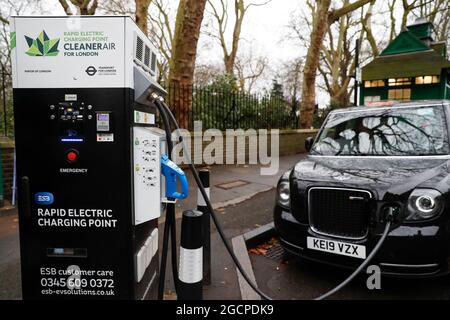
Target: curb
column 240, row 244
column 259, row 235
column 240, row 250
column 223, row 204
column 239, row 200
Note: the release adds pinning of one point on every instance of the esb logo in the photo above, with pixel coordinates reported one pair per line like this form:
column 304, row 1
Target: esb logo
column 44, row 198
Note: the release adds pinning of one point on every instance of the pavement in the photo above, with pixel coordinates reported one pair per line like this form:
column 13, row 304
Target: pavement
column 10, row 284
column 225, row 174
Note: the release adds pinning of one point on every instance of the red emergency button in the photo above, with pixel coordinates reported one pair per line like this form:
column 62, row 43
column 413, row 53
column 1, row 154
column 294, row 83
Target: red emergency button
column 72, row 156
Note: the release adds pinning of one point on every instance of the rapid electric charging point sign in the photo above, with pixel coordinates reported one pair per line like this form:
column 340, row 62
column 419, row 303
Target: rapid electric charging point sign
column 88, row 169
column 71, row 52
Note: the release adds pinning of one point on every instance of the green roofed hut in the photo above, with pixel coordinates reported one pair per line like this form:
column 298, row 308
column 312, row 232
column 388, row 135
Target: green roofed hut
column 413, row 67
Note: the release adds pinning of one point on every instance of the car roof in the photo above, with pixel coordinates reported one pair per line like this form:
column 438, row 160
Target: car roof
column 422, row 103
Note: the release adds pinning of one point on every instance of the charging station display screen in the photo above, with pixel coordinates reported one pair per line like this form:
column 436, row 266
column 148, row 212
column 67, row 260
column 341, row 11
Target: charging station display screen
column 103, row 117
column 71, row 120
column 103, row 123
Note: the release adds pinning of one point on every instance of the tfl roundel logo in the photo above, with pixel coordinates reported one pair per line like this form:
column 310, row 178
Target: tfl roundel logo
column 44, row 198
column 91, row 71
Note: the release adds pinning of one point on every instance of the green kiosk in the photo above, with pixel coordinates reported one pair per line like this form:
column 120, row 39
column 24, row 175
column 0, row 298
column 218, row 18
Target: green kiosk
column 413, row 67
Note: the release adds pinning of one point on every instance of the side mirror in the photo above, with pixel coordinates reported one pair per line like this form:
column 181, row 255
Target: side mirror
column 309, row 143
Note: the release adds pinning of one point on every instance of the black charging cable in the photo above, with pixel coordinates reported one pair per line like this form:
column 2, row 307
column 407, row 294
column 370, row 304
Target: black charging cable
column 389, row 219
column 209, row 205
column 170, row 223
column 362, row 267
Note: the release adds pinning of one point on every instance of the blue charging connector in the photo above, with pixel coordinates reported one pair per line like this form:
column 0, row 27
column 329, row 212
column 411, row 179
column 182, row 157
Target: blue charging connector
column 172, row 173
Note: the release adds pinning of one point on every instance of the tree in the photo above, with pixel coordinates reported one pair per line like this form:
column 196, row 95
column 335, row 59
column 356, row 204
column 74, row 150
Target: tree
column 338, row 56
column 206, row 74
column 83, row 7
column 118, row 7
column 220, row 15
column 184, row 52
column 367, row 28
column 277, row 90
column 161, row 31
column 337, row 61
column 10, row 8
column 141, row 14
column 438, row 13
column 290, row 76
column 138, row 8
column 323, row 18
column 248, row 70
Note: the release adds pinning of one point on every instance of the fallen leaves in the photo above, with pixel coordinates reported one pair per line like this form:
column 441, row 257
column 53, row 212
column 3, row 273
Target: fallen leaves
column 262, row 249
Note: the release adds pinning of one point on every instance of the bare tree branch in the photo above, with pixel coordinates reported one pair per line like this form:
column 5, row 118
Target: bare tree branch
column 220, row 15
column 346, row 9
column 66, row 7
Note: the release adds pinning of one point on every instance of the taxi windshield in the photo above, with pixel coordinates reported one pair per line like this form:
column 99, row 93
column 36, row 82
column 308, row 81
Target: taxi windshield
column 403, row 131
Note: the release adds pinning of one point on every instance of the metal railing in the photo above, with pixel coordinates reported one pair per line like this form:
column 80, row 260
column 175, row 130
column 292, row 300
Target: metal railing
column 216, row 108
column 6, row 112
column 230, row 109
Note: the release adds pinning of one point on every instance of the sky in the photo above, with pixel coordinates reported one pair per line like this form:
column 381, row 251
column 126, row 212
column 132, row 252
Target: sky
column 265, row 27
column 264, row 31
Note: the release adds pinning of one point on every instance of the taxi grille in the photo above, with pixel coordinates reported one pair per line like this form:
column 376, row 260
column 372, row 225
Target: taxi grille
column 342, row 213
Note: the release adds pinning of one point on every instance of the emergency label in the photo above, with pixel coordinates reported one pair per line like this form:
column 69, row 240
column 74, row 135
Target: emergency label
column 76, row 218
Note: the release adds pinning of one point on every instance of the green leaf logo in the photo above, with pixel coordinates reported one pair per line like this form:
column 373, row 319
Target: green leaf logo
column 12, row 42
column 42, row 46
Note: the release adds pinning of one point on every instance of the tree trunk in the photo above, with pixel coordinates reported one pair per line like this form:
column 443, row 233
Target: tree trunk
column 184, row 52
column 229, row 65
column 239, row 9
column 320, row 27
column 84, row 7
column 141, row 14
column 66, row 7
column 340, row 99
column 323, row 19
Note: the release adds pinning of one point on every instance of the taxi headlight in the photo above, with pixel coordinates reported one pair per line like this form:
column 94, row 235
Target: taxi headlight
column 284, row 194
column 424, row 204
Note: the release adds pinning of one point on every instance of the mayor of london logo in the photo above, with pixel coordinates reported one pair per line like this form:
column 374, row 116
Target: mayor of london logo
column 42, row 46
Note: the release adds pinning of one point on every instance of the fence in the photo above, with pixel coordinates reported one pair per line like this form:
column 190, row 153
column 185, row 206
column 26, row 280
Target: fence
column 216, row 108
column 6, row 108
column 230, row 109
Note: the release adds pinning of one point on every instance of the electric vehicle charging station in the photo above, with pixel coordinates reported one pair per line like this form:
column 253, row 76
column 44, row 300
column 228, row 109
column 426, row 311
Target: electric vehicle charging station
column 90, row 161
column 88, row 158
